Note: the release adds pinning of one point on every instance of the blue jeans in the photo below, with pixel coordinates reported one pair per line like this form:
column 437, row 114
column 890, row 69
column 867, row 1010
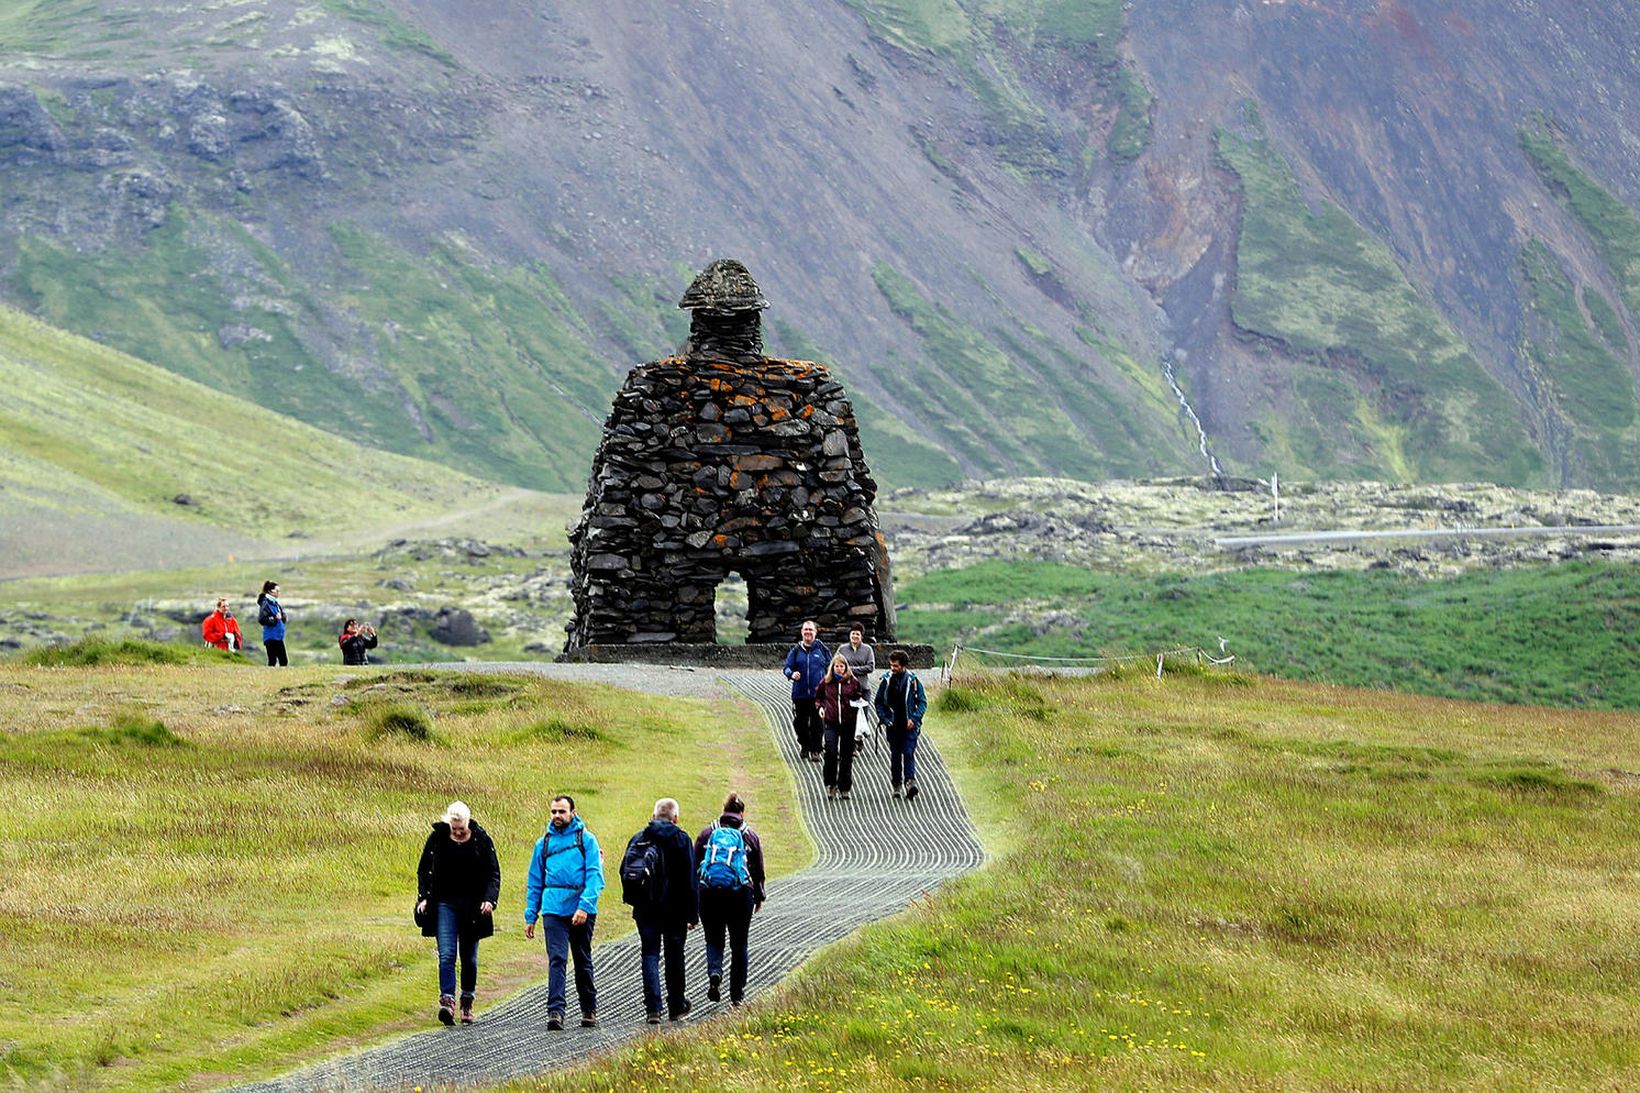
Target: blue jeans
column 563, row 938
column 727, row 909
column 652, row 936
column 902, row 751
column 451, row 938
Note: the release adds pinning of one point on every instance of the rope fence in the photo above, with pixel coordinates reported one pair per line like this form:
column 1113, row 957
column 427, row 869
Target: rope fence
column 1200, row 656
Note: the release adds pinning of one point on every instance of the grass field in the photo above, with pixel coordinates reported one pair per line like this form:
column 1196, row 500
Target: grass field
column 520, row 598
column 216, row 872
column 1234, row 884
column 1564, row 635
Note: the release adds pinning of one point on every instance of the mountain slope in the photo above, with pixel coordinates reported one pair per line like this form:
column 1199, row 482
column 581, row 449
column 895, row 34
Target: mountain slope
column 109, row 462
column 1010, row 224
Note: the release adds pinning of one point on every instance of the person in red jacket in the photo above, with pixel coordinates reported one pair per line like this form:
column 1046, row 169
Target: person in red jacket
column 221, row 629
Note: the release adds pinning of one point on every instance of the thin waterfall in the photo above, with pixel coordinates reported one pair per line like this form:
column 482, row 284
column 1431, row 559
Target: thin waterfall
column 1201, row 434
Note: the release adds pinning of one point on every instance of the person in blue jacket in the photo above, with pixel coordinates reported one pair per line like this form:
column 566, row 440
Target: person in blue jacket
column 565, row 879
column 271, row 614
column 901, row 703
column 806, row 666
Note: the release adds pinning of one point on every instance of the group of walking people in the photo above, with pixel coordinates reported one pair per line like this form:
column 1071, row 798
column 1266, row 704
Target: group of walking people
column 221, row 631
column 833, row 707
column 672, row 883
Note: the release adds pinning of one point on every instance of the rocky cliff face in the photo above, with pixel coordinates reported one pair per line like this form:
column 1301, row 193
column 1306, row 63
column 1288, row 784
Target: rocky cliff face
column 1365, row 238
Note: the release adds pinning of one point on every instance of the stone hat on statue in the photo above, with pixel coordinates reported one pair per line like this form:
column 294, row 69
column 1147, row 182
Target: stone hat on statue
column 723, row 286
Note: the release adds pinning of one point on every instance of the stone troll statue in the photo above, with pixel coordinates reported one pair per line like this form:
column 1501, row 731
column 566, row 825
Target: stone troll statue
column 724, row 460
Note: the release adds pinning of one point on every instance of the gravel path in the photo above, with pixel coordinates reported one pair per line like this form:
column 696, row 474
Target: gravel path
column 876, row 853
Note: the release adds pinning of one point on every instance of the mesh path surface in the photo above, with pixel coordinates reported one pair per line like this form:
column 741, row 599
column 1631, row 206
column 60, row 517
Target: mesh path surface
column 875, row 854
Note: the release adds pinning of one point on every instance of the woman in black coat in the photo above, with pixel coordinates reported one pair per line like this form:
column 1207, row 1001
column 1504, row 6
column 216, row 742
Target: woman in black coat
column 458, row 884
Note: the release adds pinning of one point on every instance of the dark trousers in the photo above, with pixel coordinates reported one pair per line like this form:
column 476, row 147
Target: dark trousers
column 276, row 653
column 727, row 910
column 564, row 938
column 902, row 751
column 652, row 937
column 839, row 766
column 806, row 723
column 453, row 941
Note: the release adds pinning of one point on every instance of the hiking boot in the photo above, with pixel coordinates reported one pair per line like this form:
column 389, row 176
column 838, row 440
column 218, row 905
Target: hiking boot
column 845, row 795
column 831, row 791
column 589, row 1020
column 712, row 992
column 896, row 789
column 555, row 1022
column 654, row 1018
column 466, row 1009
column 447, row 1009
column 911, row 791
column 681, row 1012
column 815, row 756
column 737, row 1002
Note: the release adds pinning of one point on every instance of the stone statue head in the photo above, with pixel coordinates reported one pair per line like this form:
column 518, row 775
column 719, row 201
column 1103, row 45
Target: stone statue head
column 725, row 287
column 723, row 305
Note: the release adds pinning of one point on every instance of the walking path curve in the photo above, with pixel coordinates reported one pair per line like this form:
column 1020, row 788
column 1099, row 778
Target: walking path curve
column 876, row 853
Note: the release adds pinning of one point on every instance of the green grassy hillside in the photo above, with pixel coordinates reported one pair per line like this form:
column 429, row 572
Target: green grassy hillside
column 1209, row 883
column 483, row 368
column 1565, row 635
column 96, row 447
column 1612, row 225
column 149, row 934
column 1582, row 362
column 1387, row 388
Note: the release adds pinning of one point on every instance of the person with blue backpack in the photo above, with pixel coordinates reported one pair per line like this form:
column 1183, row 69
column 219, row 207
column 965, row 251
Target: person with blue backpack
column 565, row 879
column 658, row 880
column 731, row 892
column 901, row 703
column 806, row 664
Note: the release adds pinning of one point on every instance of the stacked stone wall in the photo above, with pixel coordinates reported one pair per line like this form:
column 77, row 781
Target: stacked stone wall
column 709, row 467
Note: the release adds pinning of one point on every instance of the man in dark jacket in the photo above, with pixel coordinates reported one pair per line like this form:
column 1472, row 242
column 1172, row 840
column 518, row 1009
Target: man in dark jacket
column 355, row 640
column 667, row 921
column 731, row 892
column 901, row 704
column 457, row 885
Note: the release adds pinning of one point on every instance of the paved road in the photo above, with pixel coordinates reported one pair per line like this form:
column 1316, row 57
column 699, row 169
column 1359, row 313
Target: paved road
column 1420, row 533
column 876, row 854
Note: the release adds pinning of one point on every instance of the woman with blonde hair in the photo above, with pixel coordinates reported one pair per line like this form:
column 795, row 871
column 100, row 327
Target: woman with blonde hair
column 837, row 691
column 458, row 884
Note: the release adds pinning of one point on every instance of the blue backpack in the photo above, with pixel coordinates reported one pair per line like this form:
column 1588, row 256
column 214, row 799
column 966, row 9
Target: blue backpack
column 723, row 859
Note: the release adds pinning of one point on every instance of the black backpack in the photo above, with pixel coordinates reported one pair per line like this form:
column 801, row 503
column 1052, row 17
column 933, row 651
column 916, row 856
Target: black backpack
column 641, row 882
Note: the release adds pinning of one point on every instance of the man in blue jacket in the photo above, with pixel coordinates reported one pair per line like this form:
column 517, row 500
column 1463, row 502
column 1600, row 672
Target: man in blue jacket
column 806, row 666
column 566, row 877
column 901, row 704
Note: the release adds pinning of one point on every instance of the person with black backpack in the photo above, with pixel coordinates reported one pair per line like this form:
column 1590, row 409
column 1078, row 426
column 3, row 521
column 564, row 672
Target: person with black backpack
column 565, row 879
column 731, row 891
column 658, row 880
